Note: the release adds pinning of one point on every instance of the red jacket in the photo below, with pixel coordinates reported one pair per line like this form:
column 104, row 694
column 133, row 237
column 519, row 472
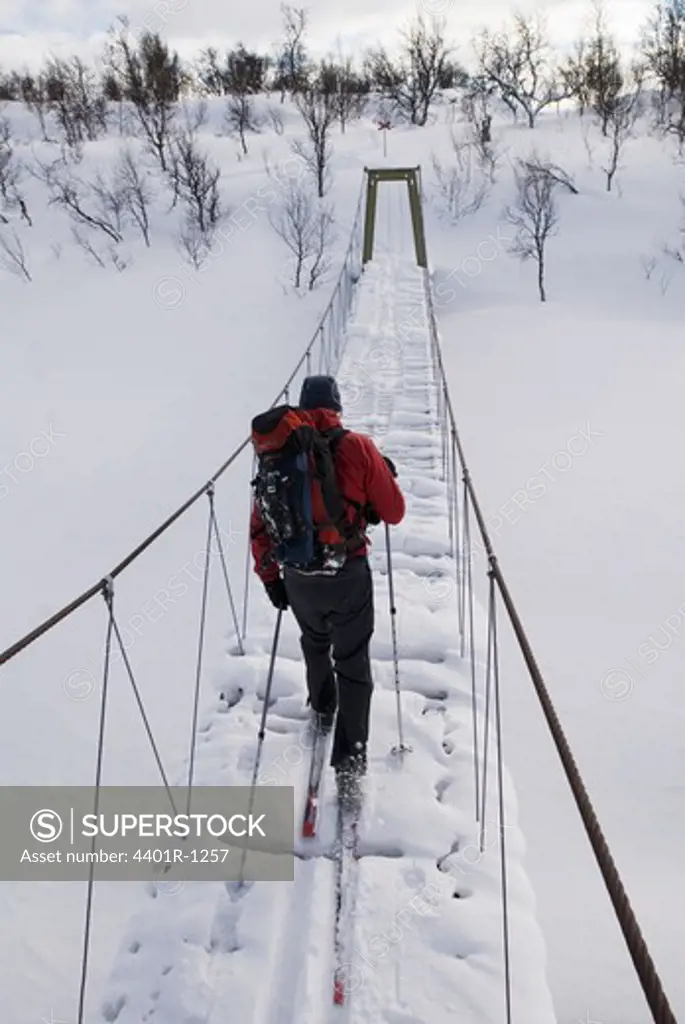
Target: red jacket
column 363, row 477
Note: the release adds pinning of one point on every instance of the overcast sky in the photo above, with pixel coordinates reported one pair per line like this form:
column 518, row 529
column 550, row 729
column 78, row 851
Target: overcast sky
column 30, row 29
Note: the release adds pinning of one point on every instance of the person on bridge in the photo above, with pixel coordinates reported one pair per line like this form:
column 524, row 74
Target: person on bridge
column 334, row 606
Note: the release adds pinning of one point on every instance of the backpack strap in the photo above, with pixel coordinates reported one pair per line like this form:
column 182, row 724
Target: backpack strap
column 334, row 501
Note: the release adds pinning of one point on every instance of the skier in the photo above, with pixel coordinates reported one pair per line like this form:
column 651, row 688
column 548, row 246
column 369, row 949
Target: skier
column 334, row 608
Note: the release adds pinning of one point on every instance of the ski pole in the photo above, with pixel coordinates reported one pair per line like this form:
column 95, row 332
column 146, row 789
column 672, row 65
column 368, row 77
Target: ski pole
column 267, row 693
column 262, row 727
column 401, row 749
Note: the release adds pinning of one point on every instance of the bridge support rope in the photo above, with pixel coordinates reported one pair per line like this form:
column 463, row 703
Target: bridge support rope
column 645, row 968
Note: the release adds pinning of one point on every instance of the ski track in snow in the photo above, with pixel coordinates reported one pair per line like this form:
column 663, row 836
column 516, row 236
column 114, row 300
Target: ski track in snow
column 427, row 936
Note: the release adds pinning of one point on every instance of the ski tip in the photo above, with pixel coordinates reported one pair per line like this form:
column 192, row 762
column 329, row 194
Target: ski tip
column 338, row 991
column 308, row 830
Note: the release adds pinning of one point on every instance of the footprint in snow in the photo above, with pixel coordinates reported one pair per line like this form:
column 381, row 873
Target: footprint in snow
column 224, row 934
column 435, row 708
column 445, row 863
column 415, row 877
column 259, row 700
column 112, row 1008
column 281, row 727
column 237, row 890
column 294, row 710
column 229, row 697
column 441, row 787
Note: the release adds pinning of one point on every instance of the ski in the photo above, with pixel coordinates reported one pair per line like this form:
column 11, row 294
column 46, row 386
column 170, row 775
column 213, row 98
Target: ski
column 316, row 768
column 347, row 866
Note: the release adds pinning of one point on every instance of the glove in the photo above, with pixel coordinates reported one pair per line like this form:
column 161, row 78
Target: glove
column 277, row 594
column 371, row 515
column 391, row 465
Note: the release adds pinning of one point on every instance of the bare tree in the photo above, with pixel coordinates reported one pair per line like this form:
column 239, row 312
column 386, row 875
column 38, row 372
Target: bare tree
column 427, row 55
column 13, row 255
column 76, row 100
column 534, row 165
column 417, row 76
column 217, row 75
column 323, row 236
column 318, row 112
column 113, row 94
column 194, row 243
column 246, row 71
column 534, row 216
column 244, row 77
column 88, row 205
column 348, row 90
column 195, row 181
column 522, row 68
column 150, row 78
column 210, row 72
column 111, row 200
column 304, row 224
column 85, row 242
column 462, row 183
column 239, row 118
column 292, row 61
column 276, row 120
column 7, row 172
column 621, row 123
column 476, row 104
column 603, row 75
column 137, row 192
column 9, row 87
column 11, row 198
column 574, row 75
column 34, row 93
column 110, row 256
column 476, row 110
column 663, row 50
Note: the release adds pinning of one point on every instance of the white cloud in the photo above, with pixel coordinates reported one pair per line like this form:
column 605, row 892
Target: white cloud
column 30, row 31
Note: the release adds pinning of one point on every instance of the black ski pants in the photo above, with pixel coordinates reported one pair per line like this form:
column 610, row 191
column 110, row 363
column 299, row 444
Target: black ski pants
column 336, row 616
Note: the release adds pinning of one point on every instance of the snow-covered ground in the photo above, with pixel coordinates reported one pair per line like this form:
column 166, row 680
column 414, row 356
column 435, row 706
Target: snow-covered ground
column 142, row 396
column 416, row 954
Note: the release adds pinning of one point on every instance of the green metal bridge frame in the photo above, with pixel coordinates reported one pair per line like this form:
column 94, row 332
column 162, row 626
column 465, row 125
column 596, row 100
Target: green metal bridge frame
column 412, row 176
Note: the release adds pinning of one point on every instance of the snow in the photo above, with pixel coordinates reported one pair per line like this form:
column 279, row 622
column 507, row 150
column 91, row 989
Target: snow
column 143, row 388
column 417, row 954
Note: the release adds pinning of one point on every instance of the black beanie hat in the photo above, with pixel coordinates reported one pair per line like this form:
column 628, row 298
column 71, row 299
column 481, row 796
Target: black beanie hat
column 320, row 393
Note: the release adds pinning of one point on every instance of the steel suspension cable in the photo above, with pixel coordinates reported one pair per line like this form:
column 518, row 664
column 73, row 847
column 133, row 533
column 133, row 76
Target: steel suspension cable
column 488, row 691
column 470, row 599
column 200, row 649
column 248, row 553
column 78, row 602
column 143, row 713
column 108, row 594
column 262, row 731
column 645, row 968
column 501, row 824
column 224, row 569
column 459, row 545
